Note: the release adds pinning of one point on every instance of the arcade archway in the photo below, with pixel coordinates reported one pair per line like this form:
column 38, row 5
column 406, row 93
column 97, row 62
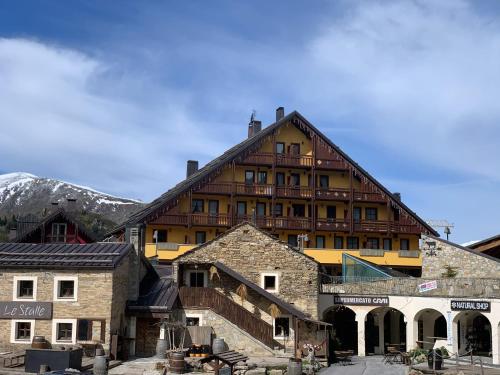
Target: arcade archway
column 384, row 327
column 345, row 328
column 474, row 333
column 431, row 325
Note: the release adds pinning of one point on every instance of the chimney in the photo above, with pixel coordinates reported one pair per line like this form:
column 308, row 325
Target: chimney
column 71, row 204
column 254, row 127
column 397, row 196
column 192, row 167
column 280, row 113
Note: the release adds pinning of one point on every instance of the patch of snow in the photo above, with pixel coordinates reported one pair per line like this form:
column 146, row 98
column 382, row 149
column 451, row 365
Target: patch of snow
column 108, row 201
column 466, row 244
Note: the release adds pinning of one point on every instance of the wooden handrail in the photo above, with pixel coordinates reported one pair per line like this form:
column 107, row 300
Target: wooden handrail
column 214, row 300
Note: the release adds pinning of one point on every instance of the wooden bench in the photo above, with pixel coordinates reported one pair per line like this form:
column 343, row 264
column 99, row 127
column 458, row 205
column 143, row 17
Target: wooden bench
column 229, row 358
column 13, row 359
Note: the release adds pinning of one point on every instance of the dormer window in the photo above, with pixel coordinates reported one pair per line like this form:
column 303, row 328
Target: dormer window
column 58, row 232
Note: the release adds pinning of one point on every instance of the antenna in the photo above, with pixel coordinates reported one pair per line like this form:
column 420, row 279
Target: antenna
column 441, row 223
column 252, row 116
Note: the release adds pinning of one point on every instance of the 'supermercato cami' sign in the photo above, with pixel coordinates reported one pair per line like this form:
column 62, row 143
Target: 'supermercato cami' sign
column 457, row 305
column 26, row 310
column 360, row 300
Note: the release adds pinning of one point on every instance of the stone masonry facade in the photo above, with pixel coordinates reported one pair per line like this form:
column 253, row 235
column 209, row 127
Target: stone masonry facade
column 101, row 296
column 466, row 263
column 252, row 252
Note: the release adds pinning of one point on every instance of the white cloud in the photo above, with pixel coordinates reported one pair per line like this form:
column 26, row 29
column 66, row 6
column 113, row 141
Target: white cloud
column 64, row 114
column 422, row 76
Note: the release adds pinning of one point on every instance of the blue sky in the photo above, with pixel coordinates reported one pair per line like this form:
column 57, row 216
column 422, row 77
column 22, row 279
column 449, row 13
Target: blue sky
column 118, row 95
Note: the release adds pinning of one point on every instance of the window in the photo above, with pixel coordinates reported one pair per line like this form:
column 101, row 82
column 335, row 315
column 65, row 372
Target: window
column 372, row 243
column 396, row 214
column 278, row 209
column 262, row 177
column 404, row 244
column 22, row 331
column 387, row 244
column 194, row 320
column 84, row 330
column 282, row 327
column 213, row 207
column 58, row 232
column 261, row 209
column 323, row 182
column 338, row 242
column 197, row 279
column 201, row 237
column 280, row 179
column 65, row 288
column 295, row 149
column 24, row 288
column 320, row 242
column 356, row 214
column 197, row 206
column 280, row 148
column 249, row 177
column 64, row 331
column 331, row 212
column 299, row 210
column 295, row 179
column 292, row 240
column 161, row 235
column 352, row 243
column 241, row 208
column 269, row 282
column 371, row 213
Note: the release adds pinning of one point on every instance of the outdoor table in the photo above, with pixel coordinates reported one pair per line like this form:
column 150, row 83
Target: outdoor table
column 229, row 358
column 344, row 356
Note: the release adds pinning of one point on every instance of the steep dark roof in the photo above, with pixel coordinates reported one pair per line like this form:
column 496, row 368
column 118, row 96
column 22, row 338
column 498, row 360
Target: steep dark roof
column 22, row 237
column 63, row 256
column 484, row 242
column 248, row 145
column 472, row 251
column 157, row 295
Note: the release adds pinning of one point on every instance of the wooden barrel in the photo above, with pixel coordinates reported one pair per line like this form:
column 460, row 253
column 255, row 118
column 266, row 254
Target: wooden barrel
column 39, row 342
column 218, row 346
column 177, row 363
column 161, row 348
column 294, row 366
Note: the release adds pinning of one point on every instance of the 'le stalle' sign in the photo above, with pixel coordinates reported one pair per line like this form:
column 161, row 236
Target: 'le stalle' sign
column 26, row 310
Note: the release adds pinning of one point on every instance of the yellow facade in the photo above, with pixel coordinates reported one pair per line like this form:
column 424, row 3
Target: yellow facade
column 185, row 235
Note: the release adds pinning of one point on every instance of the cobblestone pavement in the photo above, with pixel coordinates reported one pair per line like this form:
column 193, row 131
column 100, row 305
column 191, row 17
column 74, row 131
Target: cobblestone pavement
column 365, row 366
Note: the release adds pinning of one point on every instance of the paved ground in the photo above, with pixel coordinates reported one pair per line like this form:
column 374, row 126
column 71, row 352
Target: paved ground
column 365, row 366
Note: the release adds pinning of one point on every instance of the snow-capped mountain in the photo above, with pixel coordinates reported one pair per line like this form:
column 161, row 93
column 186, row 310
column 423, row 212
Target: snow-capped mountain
column 24, row 193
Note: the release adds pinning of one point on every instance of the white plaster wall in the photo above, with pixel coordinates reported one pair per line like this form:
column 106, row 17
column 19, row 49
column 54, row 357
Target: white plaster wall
column 411, row 307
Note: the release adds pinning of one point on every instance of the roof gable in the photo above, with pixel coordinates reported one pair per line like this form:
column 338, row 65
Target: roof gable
column 237, row 153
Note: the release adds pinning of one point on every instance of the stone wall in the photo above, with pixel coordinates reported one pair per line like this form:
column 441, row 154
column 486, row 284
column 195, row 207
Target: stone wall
column 465, row 262
column 251, row 252
column 234, row 337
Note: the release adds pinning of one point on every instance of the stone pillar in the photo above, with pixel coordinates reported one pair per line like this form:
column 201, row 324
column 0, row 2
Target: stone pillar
column 454, row 330
column 411, row 333
column 360, row 319
column 495, row 342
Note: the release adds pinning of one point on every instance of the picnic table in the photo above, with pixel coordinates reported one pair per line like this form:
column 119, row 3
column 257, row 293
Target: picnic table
column 229, row 358
column 13, row 359
column 344, row 356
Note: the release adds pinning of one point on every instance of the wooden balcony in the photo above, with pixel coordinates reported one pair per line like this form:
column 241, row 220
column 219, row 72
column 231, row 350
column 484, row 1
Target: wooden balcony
column 294, row 192
column 329, row 164
column 334, row 225
column 365, row 196
column 282, row 160
column 254, row 190
column 297, row 223
column 259, row 158
column 219, row 220
column 333, row 194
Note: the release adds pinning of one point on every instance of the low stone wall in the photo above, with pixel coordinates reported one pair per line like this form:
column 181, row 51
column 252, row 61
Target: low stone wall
column 446, row 287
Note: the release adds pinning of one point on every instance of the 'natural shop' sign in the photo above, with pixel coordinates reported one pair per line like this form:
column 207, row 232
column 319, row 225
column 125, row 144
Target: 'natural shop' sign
column 360, row 300
column 26, row 310
column 457, row 305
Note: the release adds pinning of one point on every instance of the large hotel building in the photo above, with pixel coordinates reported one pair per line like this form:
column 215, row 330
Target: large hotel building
column 290, row 180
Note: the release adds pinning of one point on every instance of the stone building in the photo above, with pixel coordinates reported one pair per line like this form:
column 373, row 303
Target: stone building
column 70, row 294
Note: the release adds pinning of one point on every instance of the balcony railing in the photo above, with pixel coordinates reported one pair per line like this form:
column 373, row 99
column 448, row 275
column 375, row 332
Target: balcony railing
column 332, row 224
column 330, row 164
column 364, row 196
column 295, row 192
column 333, row 194
column 282, row 160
